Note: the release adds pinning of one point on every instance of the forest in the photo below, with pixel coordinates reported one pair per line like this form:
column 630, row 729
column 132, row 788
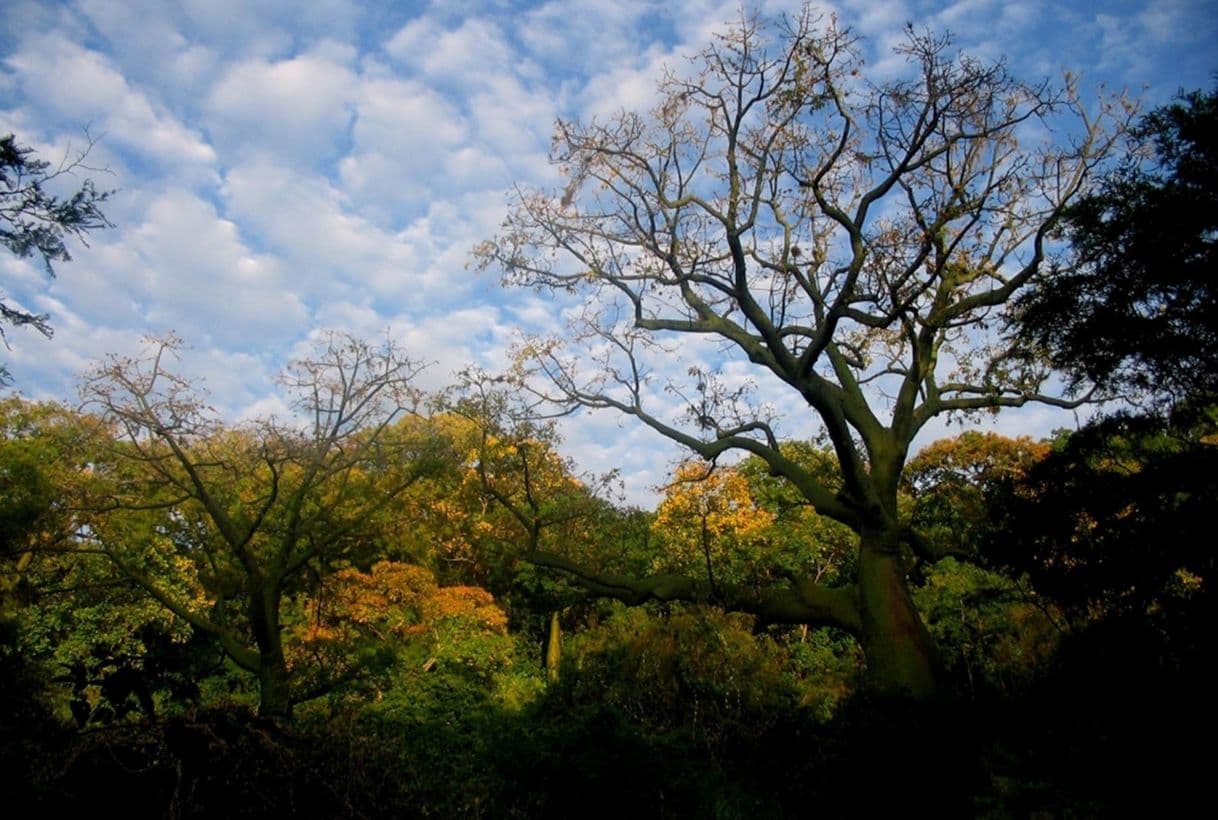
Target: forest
column 399, row 602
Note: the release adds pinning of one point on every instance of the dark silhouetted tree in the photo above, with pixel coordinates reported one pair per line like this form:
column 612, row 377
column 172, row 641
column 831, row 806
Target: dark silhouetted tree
column 35, row 221
column 1134, row 306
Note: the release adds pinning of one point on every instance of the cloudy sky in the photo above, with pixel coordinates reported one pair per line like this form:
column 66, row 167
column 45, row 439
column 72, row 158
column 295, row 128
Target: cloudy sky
column 284, row 167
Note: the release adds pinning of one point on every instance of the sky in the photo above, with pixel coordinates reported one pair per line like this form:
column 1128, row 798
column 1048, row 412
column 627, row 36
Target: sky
column 282, row 168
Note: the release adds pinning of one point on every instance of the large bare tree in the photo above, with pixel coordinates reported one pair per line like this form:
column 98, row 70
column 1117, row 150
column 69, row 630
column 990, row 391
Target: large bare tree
column 855, row 240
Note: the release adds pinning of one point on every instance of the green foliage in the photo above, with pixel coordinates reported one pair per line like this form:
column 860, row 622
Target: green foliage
column 951, row 481
column 105, row 642
column 371, row 634
column 704, row 675
column 1118, row 518
column 825, row 666
column 219, row 523
column 133, row 557
column 743, row 525
column 44, row 450
column 425, row 743
column 1136, row 308
column 803, row 541
column 105, row 648
column 994, row 635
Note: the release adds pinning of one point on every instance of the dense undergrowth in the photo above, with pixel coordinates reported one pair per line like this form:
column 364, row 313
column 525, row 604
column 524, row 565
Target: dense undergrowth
column 646, row 728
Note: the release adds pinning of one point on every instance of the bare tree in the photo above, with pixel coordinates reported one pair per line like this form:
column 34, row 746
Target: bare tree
column 855, row 240
column 218, row 523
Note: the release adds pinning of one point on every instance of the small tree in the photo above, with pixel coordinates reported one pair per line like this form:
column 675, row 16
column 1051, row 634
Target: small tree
column 853, row 240
column 218, row 524
column 954, row 479
column 35, row 221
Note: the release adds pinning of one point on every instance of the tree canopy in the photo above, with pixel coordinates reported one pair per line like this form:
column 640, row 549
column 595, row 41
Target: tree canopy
column 386, row 602
column 219, row 524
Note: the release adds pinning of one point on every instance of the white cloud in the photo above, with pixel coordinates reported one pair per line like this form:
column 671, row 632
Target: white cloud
column 513, row 120
column 1173, row 22
column 148, row 46
column 181, row 267
column 506, row 103
column 75, row 86
column 632, row 88
column 466, row 56
column 299, row 217
column 286, row 167
column 49, row 368
column 446, row 342
column 339, row 256
column 403, row 135
column 226, row 293
column 587, row 36
column 296, row 110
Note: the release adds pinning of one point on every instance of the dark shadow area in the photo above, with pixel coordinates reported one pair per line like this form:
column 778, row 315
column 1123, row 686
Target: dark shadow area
column 1110, row 729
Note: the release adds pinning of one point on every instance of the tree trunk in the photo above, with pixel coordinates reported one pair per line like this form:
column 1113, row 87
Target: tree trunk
column 901, row 657
column 274, row 683
column 553, row 647
column 274, row 688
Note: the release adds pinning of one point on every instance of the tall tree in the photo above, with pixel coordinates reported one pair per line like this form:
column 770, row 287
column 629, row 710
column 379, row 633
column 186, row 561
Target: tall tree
column 736, row 525
column 218, row 524
column 708, row 524
column 33, row 220
column 1134, row 306
column 853, row 240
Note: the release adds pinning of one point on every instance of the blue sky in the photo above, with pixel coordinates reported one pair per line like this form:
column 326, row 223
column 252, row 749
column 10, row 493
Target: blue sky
column 287, row 167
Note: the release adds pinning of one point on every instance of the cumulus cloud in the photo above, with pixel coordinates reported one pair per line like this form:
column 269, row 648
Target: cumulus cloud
column 462, row 57
column 270, row 29
column 296, row 110
column 333, row 253
column 590, row 39
column 203, row 279
column 507, row 104
column 181, row 267
column 289, row 167
column 403, row 136
column 147, row 44
column 67, row 84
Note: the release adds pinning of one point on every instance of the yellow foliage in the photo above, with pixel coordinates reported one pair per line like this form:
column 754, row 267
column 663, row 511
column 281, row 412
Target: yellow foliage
column 708, row 510
column 718, row 499
column 467, row 603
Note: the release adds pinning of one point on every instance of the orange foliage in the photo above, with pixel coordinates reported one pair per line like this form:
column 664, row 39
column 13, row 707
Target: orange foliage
column 393, row 601
column 469, row 604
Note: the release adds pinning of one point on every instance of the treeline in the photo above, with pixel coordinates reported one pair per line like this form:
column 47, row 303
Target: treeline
column 421, row 664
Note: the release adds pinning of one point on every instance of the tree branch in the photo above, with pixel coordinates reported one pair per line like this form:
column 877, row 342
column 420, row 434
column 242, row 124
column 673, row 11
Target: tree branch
column 806, row 602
